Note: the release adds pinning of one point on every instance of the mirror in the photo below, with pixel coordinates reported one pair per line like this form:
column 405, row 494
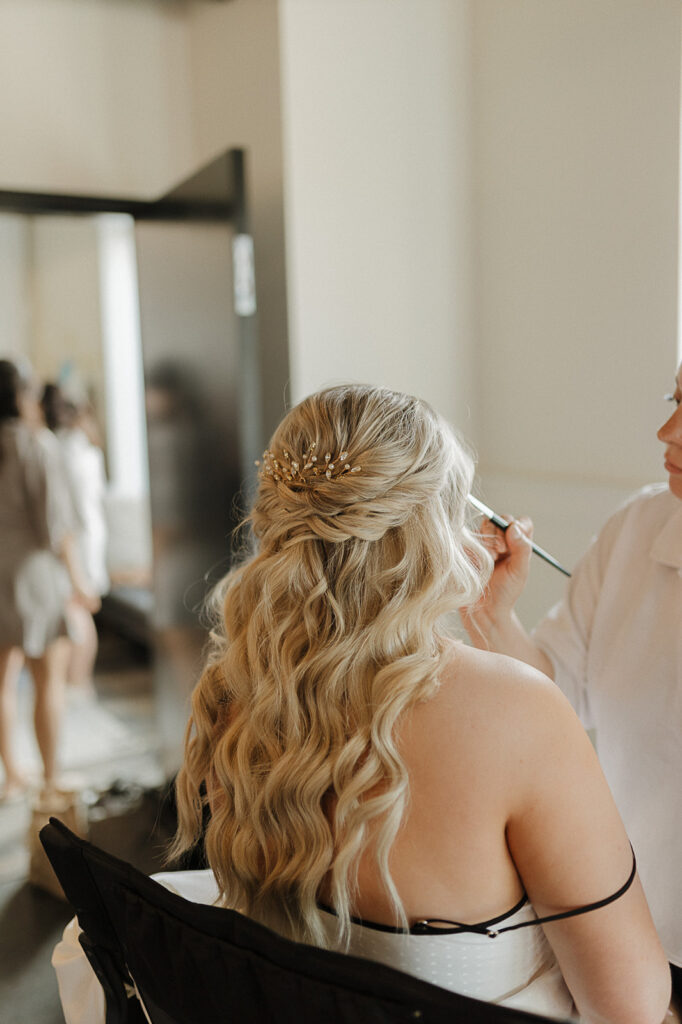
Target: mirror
column 70, row 307
column 133, row 318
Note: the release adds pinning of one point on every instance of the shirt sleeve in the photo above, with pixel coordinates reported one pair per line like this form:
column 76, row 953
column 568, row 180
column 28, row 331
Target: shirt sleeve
column 565, row 633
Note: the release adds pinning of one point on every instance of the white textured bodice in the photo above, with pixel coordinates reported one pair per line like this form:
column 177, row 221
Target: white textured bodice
column 513, row 969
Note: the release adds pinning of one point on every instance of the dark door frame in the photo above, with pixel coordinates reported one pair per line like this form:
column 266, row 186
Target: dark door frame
column 182, row 203
column 217, row 192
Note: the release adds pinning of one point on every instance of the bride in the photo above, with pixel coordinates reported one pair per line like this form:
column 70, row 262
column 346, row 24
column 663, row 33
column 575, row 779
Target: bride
column 378, row 788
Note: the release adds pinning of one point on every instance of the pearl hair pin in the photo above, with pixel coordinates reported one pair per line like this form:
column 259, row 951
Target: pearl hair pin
column 286, row 469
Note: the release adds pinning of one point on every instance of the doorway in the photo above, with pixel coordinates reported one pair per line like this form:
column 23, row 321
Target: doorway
column 170, row 367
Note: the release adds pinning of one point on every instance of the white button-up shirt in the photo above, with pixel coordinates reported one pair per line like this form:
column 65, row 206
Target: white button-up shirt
column 616, row 646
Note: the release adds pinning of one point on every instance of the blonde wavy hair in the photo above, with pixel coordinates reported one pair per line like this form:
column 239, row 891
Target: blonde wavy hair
column 328, row 632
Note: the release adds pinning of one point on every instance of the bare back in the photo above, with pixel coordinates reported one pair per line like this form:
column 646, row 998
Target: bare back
column 451, row 859
column 507, row 797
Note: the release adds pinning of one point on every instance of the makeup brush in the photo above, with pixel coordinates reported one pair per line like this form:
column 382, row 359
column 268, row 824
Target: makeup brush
column 504, row 525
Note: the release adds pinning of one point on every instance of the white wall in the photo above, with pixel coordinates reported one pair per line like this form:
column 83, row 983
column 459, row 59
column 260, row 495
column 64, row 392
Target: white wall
column 576, row 118
column 376, row 137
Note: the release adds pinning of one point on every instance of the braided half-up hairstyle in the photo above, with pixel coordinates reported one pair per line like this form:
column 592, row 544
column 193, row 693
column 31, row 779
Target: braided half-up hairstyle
column 329, row 630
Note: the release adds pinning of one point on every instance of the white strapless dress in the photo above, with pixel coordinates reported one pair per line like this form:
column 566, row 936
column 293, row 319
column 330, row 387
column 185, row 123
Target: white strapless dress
column 515, row 968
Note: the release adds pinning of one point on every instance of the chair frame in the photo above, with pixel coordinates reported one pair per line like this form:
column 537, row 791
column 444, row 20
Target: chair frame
column 127, row 918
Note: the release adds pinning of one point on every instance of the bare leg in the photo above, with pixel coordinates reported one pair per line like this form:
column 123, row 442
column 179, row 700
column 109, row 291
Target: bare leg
column 10, row 666
column 83, row 648
column 49, row 676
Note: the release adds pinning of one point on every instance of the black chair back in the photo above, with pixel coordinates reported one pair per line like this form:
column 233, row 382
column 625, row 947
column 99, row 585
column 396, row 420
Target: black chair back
column 195, row 964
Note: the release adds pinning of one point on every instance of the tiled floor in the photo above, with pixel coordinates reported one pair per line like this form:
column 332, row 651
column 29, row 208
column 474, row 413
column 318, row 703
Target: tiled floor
column 110, row 740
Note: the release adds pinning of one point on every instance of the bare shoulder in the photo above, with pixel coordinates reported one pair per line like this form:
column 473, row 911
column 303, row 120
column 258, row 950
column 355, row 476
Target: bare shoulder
column 511, row 696
column 502, row 749
column 497, row 718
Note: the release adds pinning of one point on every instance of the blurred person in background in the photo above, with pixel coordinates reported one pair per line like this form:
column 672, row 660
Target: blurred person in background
column 76, row 430
column 39, row 574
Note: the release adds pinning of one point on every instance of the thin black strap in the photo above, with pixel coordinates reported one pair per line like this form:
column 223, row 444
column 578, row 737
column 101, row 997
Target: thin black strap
column 439, row 926
column 579, row 910
column 434, row 926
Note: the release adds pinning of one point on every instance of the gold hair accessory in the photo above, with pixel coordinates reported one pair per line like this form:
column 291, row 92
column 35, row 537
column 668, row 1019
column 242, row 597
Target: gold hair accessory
column 286, row 469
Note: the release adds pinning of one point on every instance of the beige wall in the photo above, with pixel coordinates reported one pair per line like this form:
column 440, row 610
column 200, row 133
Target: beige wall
column 65, row 302
column 49, row 297
column 15, row 307
column 482, row 208
column 576, row 119
column 235, row 60
column 94, row 96
column 376, row 115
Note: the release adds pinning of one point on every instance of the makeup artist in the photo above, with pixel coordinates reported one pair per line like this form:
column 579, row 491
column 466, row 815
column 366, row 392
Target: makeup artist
column 614, row 646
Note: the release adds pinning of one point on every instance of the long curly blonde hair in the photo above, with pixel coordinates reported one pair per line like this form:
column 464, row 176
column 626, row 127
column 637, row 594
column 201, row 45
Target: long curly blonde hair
column 328, row 632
